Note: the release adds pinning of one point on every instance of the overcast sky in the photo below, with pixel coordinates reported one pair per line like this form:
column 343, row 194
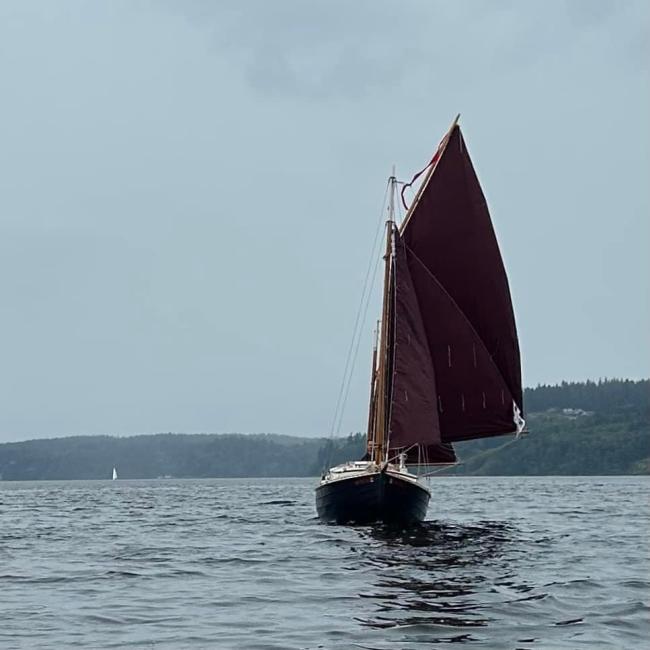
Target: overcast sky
column 189, row 192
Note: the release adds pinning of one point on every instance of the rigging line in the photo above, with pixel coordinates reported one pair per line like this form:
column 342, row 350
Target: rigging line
column 436, row 157
column 355, row 332
column 356, row 349
column 487, row 452
column 409, row 184
column 406, row 451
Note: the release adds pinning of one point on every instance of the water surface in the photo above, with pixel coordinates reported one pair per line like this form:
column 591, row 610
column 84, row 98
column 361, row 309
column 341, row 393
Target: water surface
column 526, row 563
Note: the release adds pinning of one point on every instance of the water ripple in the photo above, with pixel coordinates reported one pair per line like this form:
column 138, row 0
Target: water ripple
column 555, row 563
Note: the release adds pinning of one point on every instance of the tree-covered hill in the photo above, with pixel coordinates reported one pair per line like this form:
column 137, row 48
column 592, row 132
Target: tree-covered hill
column 152, row 456
column 575, row 428
column 563, row 444
column 604, row 396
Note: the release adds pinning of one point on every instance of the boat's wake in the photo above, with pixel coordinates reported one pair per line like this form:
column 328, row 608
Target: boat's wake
column 440, row 574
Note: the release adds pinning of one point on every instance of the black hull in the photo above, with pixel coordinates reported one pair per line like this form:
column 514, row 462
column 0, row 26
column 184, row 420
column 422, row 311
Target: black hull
column 377, row 497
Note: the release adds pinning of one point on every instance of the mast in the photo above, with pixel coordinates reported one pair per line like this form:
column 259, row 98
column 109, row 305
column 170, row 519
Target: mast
column 380, row 449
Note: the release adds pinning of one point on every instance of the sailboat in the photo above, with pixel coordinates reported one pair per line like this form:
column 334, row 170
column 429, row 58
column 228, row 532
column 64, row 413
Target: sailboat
column 114, row 474
column 446, row 363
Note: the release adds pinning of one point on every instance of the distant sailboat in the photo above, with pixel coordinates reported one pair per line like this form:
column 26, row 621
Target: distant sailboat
column 114, row 473
column 446, row 363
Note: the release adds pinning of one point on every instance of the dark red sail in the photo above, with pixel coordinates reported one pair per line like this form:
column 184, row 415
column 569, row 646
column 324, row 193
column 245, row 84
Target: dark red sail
column 452, row 302
column 413, row 404
column 431, row 454
column 414, row 419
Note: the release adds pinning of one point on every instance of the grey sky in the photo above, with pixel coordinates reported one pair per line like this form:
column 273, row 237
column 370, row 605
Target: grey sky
column 189, row 192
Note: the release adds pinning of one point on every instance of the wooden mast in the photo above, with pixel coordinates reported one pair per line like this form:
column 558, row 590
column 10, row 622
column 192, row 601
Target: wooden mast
column 379, row 451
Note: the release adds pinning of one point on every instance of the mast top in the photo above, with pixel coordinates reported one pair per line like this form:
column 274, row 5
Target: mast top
column 392, row 179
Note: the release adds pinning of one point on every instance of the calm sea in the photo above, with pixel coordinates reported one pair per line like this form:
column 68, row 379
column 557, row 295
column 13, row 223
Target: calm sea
column 525, row 563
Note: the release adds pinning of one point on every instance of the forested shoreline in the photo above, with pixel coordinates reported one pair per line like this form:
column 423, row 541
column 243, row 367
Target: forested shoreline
column 576, row 428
